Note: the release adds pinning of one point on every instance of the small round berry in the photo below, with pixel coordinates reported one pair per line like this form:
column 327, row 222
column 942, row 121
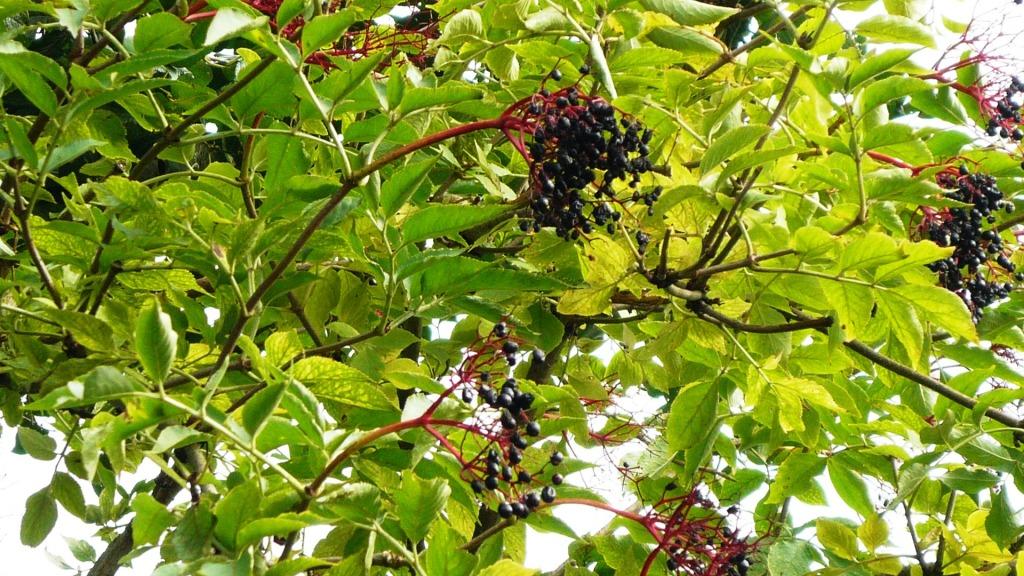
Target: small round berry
column 533, row 428
column 477, row 485
column 524, row 477
column 505, row 510
column 501, row 330
column 532, row 500
column 556, row 75
column 557, row 479
column 556, row 458
column 510, row 347
column 520, row 509
column 503, row 400
column 539, row 356
column 519, row 442
column 514, row 456
column 547, row 494
column 586, row 69
column 506, row 473
column 491, row 482
column 493, row 468
column 671, row 565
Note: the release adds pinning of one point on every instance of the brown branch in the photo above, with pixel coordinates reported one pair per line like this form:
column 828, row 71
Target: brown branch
column 755, row 43
column 296, row 308
column 164, row 490
column 705, row 311
column 941, row 551
column 33, row 251
column 171, row 136
column 929, row 382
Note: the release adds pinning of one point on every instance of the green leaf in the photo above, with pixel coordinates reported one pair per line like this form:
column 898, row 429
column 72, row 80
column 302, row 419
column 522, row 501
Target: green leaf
column 898, row 29
column 31, row 84
column 507, row 568
column 325, row 30
column 689, row 12
column 1001, row 523
column 394, row 88
column 39, row 518
column 797, row 471
column 68, row 152
column 549, row 18
column 586, row 301
column 791, row 558
column 159, row 30
column 850, row 487
column 942, row 307
column 81, row 550
column 68, row 492
column 397, row 189
column 908, row 480
column 685, row 40
column 156, row 342
column 342, row 82
column 281, row 347
column 281, row 525
column 464, row 26
column 151, row 519
column 231, row 22
column 730, row 144
column 271, row 91
column 941, row 103
column 192, row 535
column 175, row 436
column 420, row 98
column 419, row 501
column 435, row 221
column 891, row 88
column 693, row 412
column 340, row 383
column 874, row 532
column 234, row 510
column 969, row 481
column 869, row 251
column 879, row 63
column 836, row 538
column 23, row 147
column 261, row 406
column 102, row 383
column 36, row 444
column 87, row 330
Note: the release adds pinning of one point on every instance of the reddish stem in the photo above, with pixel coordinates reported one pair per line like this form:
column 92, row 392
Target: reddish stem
column 200, row 16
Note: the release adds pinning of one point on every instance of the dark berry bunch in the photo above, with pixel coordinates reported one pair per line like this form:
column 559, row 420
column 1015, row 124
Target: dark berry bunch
column 1004, row 112
column 977, row 247
column 578, row 149
column 698, row 538
column 503, row 419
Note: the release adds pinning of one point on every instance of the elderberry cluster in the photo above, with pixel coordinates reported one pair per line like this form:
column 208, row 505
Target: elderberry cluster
column 502, row 470
column 964, row 228
column 698, row 541
column 578, row 150
column 1007, row 108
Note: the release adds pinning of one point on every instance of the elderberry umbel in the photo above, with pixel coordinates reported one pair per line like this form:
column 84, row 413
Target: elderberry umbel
column 979, row 270
column 1004, row 112
column 502, row 417
column 578, row 149
column 697, row 538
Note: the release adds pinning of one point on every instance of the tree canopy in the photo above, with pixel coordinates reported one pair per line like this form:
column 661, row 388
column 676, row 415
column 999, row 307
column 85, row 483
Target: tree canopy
column 361, row 280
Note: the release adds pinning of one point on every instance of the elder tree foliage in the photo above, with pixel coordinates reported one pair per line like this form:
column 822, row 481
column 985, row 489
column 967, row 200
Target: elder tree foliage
column 323, row 270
